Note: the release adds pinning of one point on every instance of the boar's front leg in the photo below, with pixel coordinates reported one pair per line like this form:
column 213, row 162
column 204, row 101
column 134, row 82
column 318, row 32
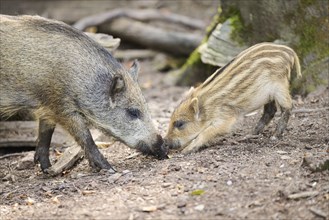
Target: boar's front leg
column 41, row 155
column 209, row 134
column 77, row 127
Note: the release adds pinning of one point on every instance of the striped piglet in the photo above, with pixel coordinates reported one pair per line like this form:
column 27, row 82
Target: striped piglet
column 258, row 76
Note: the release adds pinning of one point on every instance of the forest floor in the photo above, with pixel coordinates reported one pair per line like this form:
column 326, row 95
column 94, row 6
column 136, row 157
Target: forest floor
column 240, row 177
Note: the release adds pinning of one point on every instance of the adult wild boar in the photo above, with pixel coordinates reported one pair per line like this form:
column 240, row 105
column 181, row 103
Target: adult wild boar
column 66, row 78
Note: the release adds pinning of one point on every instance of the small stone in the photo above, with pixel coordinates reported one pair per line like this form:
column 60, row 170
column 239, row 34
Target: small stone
column 285, row 157
column 181, row 205
column 26, row 162
column 165, row 185
column 229, row 183
column 199, row 207
column 113, row 178
column 125, row 172
column 149, row 208
column 281, row 152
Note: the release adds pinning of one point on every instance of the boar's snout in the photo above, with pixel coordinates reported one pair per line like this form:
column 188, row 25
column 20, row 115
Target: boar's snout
column 158, row 149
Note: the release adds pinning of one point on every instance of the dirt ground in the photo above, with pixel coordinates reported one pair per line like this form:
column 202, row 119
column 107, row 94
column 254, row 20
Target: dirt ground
column 240, row 177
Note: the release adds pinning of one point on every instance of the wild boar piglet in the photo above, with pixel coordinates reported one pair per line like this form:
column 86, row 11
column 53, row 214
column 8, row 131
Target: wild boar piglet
column 258, row 76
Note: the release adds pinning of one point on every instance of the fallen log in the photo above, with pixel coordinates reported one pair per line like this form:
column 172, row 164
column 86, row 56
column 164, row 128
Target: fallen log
column 172, row 42
column 105, row 40
column 134, row 54
column 144, row 15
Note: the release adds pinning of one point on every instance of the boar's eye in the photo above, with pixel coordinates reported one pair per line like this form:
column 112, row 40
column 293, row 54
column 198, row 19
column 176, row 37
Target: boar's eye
column 179, row 124
column 134, row 113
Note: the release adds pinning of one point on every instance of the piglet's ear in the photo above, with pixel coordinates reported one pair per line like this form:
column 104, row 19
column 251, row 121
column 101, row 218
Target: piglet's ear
column 117, row 85
column 195, row 107
column 134, row 69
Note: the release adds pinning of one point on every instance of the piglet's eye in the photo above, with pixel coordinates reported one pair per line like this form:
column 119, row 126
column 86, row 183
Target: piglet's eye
column 179, row 124
column 134, row 113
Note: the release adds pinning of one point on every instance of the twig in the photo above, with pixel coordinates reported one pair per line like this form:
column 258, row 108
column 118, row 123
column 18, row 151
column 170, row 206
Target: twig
column 247, row 138
column 139, row 15
column 318, row 212
column 303, row 110
column 12, row 155
column 303, row 195
column 78, row 190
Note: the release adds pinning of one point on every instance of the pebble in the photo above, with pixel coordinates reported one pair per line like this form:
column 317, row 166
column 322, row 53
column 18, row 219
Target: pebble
column 199, row 207
column 229, row 183
column 165, row 185
column 285, row 157
column 281, row 152
column 181, row 205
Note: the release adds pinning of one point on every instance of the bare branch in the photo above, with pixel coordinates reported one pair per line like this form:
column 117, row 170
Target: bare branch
column 139, row 15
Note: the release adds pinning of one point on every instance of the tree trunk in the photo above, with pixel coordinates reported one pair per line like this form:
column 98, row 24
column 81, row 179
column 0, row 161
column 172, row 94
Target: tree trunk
column 303, row 25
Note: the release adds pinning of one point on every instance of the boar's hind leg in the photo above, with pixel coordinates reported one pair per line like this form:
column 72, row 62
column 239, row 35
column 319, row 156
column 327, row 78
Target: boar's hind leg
column 77, row 127
column 268, row 114
column 46, row 130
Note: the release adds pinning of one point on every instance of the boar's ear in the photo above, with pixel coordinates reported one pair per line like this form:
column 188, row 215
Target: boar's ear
column 195, row 107
column 117, row 85
column 134, row 69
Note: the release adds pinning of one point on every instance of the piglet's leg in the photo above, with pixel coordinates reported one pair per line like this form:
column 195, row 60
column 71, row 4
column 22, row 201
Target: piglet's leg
column 283, row 98
column 282, row 124
column 209, row 134
column 268, row 114
column 41, row 155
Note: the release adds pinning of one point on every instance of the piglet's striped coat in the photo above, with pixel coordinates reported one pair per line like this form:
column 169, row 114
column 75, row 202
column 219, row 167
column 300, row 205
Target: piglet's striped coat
column 259, row 76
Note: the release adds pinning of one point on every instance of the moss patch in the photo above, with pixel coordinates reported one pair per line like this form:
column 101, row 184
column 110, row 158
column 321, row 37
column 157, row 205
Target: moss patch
column 312, row 46
column 193, row 70
column 241, row 32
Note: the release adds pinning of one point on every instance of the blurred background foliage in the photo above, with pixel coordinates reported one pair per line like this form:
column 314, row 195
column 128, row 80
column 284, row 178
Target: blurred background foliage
column 237, row 24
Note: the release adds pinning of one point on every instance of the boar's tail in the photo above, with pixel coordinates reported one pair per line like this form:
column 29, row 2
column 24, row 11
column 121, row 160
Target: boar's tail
column 297, row 68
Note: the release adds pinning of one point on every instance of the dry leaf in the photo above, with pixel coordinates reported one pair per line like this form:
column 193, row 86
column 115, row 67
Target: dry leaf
column 103, row 144
column 55, row 200
column 29, row 201
column 197, row 192
column 58, row 153
column 87, row 192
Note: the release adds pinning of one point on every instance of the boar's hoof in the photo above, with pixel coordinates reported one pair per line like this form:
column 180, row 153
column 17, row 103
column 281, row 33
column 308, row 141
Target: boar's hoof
column 43, row 160
column 101, row 165
column 99, row 162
